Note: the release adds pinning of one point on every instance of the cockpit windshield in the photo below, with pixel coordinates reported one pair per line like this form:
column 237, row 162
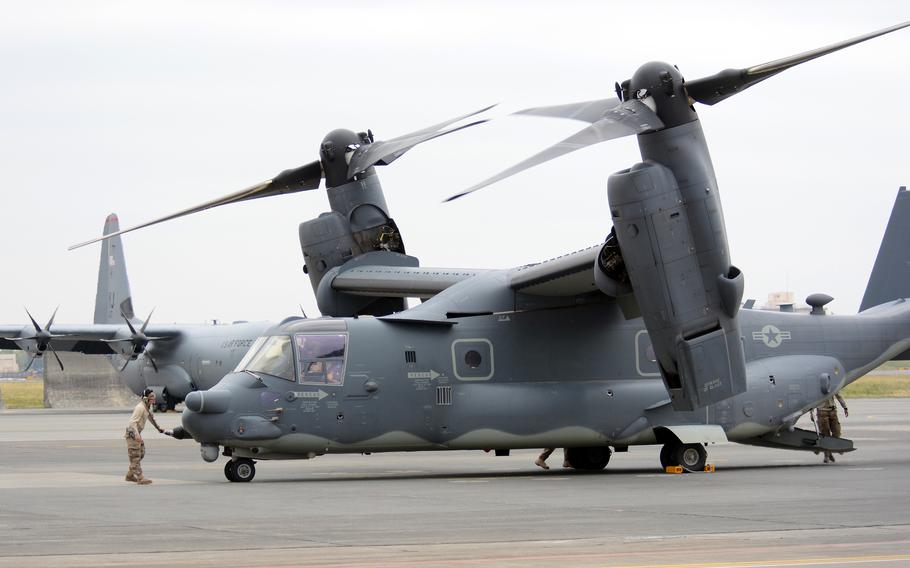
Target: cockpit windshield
column 320, row 358
column 270, row 355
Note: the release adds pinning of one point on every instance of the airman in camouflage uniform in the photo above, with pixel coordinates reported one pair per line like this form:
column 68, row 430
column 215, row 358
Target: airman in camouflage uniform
column 135, row 445
column 541, row 460
column 828, row 423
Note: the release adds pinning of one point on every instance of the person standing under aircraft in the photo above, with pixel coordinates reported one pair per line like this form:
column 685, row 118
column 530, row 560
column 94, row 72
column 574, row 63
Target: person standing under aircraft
column 135, row 445
column 828, row 423
column 541, row 460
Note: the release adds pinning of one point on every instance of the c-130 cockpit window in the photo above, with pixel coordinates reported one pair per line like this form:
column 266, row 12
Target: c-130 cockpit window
column 272, row 356
column 320, row 358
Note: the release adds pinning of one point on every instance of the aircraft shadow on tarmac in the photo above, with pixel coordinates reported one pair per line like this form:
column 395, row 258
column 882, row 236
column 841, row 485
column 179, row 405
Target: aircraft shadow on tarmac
column 555, row 471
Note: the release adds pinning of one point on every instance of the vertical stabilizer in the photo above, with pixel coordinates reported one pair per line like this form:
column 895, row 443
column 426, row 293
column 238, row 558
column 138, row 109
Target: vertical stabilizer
column 890, row 278
column 113, row 296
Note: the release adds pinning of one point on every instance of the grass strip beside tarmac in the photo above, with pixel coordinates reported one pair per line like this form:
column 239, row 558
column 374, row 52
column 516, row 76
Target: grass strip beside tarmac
column 879, row 386
column 22, row 394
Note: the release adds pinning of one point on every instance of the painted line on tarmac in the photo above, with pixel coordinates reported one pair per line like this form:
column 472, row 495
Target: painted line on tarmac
column 828, row 561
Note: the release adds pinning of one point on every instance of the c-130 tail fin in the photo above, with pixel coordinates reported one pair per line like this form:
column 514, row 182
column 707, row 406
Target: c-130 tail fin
column 113, row 296
column 890, row 278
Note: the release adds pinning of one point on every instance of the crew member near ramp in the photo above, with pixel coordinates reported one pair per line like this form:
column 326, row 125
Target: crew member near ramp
column 135, row 445
column 828, row 423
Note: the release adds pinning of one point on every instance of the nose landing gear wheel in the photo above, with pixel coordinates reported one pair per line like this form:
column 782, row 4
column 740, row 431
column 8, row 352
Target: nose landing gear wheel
column 241, row 470
column 229, row 470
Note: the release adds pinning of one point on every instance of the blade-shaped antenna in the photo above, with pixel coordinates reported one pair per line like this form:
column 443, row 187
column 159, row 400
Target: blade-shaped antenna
column 586, row 111
column 304, row 178
column 625, row 119
column 717, row 87
column 384, row 152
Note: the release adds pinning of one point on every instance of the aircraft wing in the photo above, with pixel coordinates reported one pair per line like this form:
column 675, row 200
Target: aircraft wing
column 568, row 275
column 400, row 281
column 82, row 338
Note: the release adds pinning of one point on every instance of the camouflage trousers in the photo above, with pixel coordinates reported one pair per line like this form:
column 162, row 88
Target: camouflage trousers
column 136, row 451
column 828, row 425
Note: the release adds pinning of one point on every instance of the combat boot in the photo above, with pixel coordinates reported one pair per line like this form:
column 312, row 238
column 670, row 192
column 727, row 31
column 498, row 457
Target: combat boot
column 144, row 481
column 130, row 476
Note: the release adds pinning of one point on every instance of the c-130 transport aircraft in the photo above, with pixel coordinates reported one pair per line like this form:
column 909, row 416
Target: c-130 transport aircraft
column 170, row 359
column 638, row 340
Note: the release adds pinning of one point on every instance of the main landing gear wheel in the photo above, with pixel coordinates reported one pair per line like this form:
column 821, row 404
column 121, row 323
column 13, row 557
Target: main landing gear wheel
column 666, row 456
column 590, row 459
column 692, row 457
column 241, row 470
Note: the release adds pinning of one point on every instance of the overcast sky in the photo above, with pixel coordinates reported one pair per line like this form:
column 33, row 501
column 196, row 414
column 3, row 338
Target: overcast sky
column 147, row 108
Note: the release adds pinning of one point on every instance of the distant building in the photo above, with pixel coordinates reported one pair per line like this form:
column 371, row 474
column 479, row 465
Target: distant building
column 8, row 362
column 784, row 302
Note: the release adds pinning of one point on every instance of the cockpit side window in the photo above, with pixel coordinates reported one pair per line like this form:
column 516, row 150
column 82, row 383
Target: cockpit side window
column 271, row 356
column 251, row 352
column 321, row 357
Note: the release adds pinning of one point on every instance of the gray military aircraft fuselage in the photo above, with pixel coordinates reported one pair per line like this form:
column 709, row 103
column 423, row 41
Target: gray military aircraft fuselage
column 581, row 377
column 553, row 354
column 199, row 357
column 171, row 359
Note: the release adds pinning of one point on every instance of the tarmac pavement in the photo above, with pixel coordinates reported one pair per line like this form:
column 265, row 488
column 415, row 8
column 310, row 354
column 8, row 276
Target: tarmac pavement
column 63, row 502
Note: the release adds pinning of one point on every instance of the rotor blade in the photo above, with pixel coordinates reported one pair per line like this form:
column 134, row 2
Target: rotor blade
column 147, row 320
column 630, row 117
column 129, row 324
column 123, row 368
column 50, row 322
column 717, row 87
column 59, row 362
column 303, row 178
column 29, row 366
column 586, row 111
column 384, row 152
column 34, row 323
column 152, row 361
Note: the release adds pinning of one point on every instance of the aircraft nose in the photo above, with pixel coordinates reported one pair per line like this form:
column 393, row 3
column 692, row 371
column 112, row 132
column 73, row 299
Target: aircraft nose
column 213, row 401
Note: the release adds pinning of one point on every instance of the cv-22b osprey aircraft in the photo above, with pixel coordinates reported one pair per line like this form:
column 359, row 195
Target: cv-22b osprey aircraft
column 638, row 340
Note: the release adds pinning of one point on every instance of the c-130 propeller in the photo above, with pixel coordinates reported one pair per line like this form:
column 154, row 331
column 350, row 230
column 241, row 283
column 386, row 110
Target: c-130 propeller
column 667, row 219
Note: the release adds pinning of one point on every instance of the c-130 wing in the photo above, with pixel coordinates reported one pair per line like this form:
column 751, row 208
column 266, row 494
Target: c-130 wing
column 90, row 339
